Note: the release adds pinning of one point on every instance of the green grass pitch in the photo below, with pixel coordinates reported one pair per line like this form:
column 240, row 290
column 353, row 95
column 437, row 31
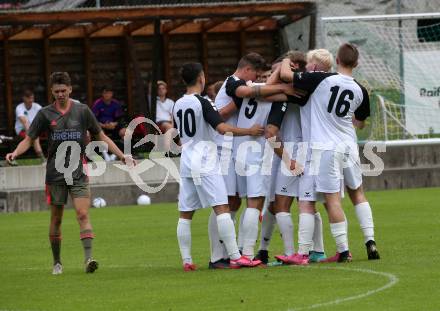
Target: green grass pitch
column 140, row 266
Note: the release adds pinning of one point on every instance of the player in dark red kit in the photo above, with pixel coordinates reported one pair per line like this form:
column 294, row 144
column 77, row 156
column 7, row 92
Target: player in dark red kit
column 67, row 121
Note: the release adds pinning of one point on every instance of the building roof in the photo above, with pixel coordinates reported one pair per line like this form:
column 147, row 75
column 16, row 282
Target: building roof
column 67, row 5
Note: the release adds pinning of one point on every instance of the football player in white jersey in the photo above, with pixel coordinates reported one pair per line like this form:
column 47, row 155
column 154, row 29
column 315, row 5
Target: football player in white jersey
column 201, row 184
column 268, row 220
column 287, row 181
column 352, row 172
column 228, row 101
column 253, row 167
column 334, row 100
column 347, row 60
column 284, row 124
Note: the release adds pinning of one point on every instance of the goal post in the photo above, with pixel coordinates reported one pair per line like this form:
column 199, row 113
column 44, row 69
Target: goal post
column 399, row 64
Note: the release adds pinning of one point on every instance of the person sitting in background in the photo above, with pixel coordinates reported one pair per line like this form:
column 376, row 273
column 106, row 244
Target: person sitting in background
column 217, row 87
column 108, row 111
column 24, row 115
column 164, row 108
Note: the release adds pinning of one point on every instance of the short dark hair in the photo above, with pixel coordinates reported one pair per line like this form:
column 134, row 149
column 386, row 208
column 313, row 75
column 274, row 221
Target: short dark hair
column 107, row 88
column 60, row 78
column 348, row 55
column 279, row 59
column 267, row 67
column 28, row 93
column 190, row 72
column 295, row 57
column 298, row 58
column 255, row 60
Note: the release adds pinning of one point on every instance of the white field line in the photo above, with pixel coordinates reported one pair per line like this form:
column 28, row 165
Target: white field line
column 392, row 280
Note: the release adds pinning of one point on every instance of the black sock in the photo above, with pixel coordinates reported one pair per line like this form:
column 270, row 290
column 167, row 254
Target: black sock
column 55, row 244
column 86, row 237
column 87, row 245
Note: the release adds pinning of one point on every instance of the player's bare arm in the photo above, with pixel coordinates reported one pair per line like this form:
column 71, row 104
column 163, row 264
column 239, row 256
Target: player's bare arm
column 261, row 91
column 227, row 111
column 271, row 134
column 22, row 147
column 125, row 158
column 358, row 124
column 256, row 130
column 286, row 73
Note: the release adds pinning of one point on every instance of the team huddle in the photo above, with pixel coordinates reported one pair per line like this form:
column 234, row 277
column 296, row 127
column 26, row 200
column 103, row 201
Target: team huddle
column 270, row 141
column 272, row 135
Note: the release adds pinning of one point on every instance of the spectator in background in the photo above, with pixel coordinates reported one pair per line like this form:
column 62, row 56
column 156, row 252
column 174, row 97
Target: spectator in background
column 108, row 111
column 210, row 93
column 217, row 87
column 212, row 90
column 24, row 115
column 164, row 108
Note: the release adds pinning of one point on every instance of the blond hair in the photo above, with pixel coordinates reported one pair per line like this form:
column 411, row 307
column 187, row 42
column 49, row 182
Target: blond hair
column 321, row 57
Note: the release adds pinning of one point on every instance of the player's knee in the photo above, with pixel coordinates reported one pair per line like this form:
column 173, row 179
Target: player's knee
column 56, row 221
column 307, row 207
column 221, row 209
column 234, row 203
column 357, row 196
column 272, row 208
column 82, row 216
column 55, row 236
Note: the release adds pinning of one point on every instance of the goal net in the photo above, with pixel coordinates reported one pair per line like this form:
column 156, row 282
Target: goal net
column 400, row 66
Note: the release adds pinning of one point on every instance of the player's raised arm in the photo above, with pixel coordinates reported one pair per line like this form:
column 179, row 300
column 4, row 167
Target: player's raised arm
column 261, row 91
column 212, row 116
column 286, row 73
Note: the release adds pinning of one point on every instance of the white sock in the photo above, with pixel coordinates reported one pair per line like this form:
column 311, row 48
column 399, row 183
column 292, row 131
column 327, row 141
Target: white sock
column 217, row 248
column 250, row 231
column 184, row 238
column 306, row 227
column 240, row 231
column 233, row 215
column 106, row 156
column 339, row 233
column 285, row 224
column 267, row 227
column 365, row 218
column 226, row 232
column 318, row 239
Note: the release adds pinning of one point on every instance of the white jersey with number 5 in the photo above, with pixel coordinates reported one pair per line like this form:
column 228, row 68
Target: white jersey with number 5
column 252, row 112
